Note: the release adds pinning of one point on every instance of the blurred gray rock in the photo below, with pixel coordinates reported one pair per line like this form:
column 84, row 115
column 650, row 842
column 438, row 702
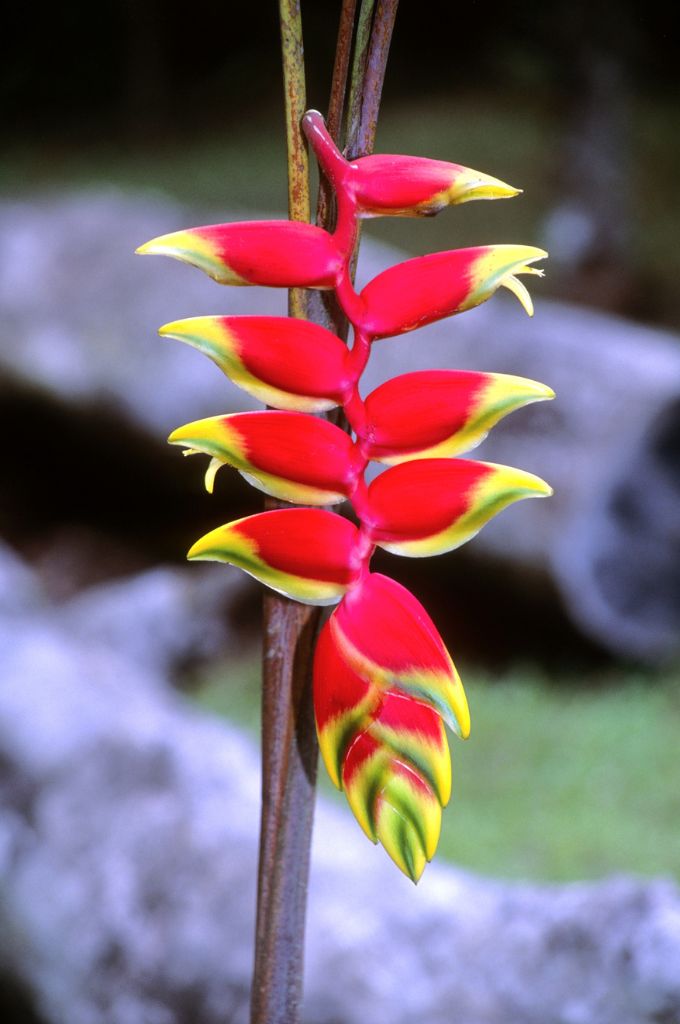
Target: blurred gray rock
column 80, row 314
column 159, row 618
column 20, row 590
column 81, row 311
column 128, row 849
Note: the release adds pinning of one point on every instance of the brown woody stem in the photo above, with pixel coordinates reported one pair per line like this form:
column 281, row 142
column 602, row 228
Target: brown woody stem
column 356, row 87
column 336, row 103
column 289, row 746
column 374, row 76
column 374, row 35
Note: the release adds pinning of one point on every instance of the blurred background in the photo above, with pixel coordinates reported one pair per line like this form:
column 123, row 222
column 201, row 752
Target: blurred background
column 129, row 119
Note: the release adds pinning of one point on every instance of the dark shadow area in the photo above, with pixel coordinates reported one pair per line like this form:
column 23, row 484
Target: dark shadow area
column 101, row 485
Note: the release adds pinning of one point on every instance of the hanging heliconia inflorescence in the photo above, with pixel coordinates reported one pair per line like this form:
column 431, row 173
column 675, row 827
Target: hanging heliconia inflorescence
column 384, row 683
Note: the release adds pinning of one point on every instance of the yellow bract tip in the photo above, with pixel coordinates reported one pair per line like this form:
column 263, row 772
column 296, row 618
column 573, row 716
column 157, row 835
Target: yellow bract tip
column 224, row 544
column 176, row 243
column 193, row 247
column 458, row 704
column 517, row 482
column 210, row 474
column 514, row 392
column 473, row 185
column 498, row 266
column 520, row 290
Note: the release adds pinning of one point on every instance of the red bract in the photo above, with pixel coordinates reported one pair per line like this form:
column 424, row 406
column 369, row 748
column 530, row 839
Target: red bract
column 304, row 553
column 278, row 253
column 440, row 412
column 411, row 186
column 384, row 683
column 290, row 455
column 429, row 288
column 397, row 185
column 385, row 633
column 284, row 362
column 382, row 744
column 429, row 506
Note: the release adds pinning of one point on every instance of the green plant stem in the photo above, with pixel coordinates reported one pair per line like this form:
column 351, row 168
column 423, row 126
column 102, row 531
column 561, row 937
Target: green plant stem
column 368, row 76
column 292, row 51
column 374, row 76
column 356, row 86
column 336, row 103
column 289, row 745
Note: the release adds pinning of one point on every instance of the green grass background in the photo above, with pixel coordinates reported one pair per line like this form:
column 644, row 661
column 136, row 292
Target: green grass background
column 559, row 780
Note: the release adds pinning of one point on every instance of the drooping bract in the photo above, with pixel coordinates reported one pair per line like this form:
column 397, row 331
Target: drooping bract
column 385, row 686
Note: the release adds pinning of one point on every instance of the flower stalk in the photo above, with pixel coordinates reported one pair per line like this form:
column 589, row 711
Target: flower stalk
column 384, row 684
column 289, row 745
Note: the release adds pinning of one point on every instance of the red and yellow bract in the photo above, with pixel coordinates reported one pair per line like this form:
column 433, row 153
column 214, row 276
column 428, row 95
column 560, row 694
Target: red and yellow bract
column 284, row 362
column 429, row 288
column 414, row 186
column 291, row 455
column 304, row 553
column 276, row 253
column 428, row 506
column 440, row 412
column 384, row 682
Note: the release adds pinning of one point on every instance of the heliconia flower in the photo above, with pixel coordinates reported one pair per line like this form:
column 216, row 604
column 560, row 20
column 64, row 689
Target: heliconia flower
column 290, row 455
column 392, row 803
column 304, row 553
column 346, row 704
column 284, row 362
column 378, row 697
column 278, row 253
column 411, row 186
column 429, row 288
column 384, row 683
column 386, row 635
column 430, row 506
column 441, row 412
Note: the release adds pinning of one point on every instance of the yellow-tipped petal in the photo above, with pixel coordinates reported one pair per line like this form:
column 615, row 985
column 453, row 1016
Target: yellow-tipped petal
column 364, row 773
column 289, row 455
column 401, row 842
column 497, row 267
column 520, row 290
column 260, row 355
column 211, row 473
column 472, row 184
column 414, row 801
column 302, row 553
column 456, row 498
column 190, row 246
column 442, row 690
